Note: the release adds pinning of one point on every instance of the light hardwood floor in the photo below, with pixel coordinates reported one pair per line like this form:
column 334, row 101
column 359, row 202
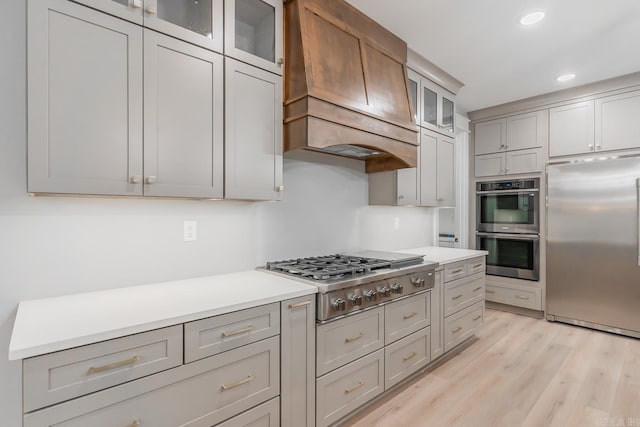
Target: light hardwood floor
column 523, row 372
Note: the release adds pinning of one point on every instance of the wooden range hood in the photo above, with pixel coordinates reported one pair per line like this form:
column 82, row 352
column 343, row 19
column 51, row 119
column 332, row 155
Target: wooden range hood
column 345, row 87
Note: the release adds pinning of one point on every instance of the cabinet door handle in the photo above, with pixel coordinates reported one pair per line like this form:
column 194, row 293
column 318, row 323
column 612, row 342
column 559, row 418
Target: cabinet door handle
column 459, row 270
column 409, row 316
column 136, row 4
column 225, row 387
column 136, row 179
column 151, row 10
column 280, row 61
column 456, row 297
column 489, row 291
column 114, row 365
column 477, row 289
column 458, row 329
column 135, row 423
column 298, row 305
column 521, row 297
column 237, row 331
column 352, row 339
column 409, row 356
column 477, row 265
column 151, row 179
column 354, row 388
column 280, row 188
column 476, row 317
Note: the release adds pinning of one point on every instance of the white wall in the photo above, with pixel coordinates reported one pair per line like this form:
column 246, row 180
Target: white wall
column 60, row 245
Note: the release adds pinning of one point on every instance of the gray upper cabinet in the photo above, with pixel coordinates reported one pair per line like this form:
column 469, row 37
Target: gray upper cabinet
column 437, row 169
column 519, row 132
column 253, row 32
column 415, row 94
column 617, row 124
column 198, row 22
column 437, row 108
column 84, row 101
column 571, row 129
column 253, row 133
column 183, row 119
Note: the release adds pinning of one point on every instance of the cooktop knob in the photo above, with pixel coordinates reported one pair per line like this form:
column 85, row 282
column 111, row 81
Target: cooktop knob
column 396, row 288
column 356, row 300
column 384, row 291
column 418, row 282
column 371, row 295
column 339, row 304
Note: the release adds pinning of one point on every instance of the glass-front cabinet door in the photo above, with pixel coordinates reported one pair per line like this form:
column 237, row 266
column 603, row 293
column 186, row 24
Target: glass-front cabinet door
column 430, row 108
column 194, row 21
column 253, row 32
column 438, row 108
column 131, row 10
column 448, row 113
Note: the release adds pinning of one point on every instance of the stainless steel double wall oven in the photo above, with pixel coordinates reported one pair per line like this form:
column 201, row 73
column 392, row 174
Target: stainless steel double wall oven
column 508, row 227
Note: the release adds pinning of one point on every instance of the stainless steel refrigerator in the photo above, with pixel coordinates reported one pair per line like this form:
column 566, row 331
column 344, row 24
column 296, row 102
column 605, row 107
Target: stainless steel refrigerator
column 593, row 253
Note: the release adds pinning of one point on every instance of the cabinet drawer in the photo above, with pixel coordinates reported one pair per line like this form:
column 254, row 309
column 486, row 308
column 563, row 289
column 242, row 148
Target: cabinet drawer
column 526, row 298
column 462, row 325
column 345, row 389
column 199, row 394
column 476, row 265
column 406, row 356
column 265, row 415
column 455, row 271
column 214, row 335
column 404, row 317
column 462, row 293
column 67, row 374
column 347, row 339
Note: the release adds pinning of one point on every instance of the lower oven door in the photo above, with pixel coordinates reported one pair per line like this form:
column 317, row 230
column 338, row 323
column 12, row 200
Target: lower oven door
column 511, row 255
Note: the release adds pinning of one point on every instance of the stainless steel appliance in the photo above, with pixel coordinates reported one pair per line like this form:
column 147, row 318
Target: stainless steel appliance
column 511, row 255
column 508, row 226
column 593, row 258
column 508, row 206
column 349, row 283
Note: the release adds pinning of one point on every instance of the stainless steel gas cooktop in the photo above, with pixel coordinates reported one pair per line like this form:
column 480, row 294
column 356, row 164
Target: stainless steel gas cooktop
column 348, row 283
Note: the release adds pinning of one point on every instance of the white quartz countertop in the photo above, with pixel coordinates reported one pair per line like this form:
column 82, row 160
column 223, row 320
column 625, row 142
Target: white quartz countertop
column 52, row 324
column 444, row 255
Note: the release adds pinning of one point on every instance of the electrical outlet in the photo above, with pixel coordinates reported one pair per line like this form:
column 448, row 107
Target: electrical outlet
column 190, row 231
column 396, row 223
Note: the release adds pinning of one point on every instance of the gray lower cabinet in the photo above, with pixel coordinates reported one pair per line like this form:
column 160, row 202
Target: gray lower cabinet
column 404, row 357
column 199, row 394
column 265, row 415
column 84, row 100
column 437, row 310
column 297, row 362
column 253, row 133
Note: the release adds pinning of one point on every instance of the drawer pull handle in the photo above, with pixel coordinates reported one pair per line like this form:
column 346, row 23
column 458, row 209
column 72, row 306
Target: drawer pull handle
column 237, row 332
column 489, row 291
column 298, row 305
column 354, row 388
column 477, row 317
column 458, row 329
column 225, row 387
column 135, row 423
column 522, row 297
column 409, row 356
column 409, row 316
column 456, row 271
column 477, row 289
column 477, row 266
column 352, row 339
column 456, row 297
column 114, row 365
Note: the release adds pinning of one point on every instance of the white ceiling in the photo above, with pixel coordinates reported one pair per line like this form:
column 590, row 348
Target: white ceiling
column 482, row 44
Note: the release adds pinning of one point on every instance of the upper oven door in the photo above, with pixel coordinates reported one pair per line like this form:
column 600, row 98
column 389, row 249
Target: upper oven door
column 508, row 211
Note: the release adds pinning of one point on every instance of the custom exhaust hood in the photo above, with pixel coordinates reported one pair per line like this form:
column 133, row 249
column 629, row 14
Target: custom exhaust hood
column 346, row 89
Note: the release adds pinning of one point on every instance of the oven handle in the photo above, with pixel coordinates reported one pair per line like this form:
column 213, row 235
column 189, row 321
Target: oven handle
column 519, row 191
column 532, row 237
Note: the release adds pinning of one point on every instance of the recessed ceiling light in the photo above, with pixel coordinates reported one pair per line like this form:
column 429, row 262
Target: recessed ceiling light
column 565, row 77
column 532, row 18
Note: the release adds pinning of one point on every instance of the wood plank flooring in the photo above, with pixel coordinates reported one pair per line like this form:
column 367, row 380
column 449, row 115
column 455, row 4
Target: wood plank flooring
column 522, row 372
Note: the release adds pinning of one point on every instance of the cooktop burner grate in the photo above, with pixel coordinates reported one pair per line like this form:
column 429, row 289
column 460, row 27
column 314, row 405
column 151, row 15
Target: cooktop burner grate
column 328, row 267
